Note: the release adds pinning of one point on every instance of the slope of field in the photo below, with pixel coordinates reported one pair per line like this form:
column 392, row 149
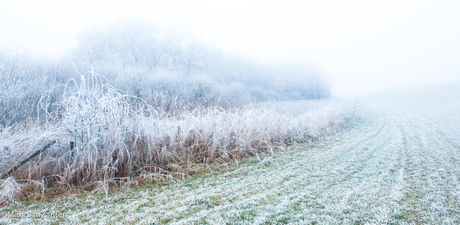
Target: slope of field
column 401, row 165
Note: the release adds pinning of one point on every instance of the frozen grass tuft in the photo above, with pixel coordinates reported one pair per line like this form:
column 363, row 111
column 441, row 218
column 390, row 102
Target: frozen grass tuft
column 9, row 190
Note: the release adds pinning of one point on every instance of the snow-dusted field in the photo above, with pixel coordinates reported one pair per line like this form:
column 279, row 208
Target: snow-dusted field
column 401, row 165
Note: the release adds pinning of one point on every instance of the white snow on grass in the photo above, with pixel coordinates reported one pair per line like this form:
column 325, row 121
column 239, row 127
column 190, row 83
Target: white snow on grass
column 401, row 165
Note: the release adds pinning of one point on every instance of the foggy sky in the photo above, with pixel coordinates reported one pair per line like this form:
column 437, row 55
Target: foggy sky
column 365, row 46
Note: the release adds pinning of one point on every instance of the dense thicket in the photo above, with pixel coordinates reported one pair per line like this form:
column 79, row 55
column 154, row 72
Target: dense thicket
column 157, row 64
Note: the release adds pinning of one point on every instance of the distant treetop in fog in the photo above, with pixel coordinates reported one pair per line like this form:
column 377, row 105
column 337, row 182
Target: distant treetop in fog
column 181, row 64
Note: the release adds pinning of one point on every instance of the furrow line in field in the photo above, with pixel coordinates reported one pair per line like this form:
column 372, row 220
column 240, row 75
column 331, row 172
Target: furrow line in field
column 427, row 192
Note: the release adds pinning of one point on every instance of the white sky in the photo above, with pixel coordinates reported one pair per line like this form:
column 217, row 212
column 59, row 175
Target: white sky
column 364, row 45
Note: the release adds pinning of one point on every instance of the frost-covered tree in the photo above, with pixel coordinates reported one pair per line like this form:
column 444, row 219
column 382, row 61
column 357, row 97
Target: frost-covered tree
column 142, row 58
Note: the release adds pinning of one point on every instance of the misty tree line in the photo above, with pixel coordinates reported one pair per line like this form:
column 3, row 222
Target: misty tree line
column 154, row 63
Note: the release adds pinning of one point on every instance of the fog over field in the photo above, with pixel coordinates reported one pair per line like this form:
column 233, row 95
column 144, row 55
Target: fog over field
column 238, row 112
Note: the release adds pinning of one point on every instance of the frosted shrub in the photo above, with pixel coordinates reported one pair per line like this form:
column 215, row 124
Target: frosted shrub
column 96, row 120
